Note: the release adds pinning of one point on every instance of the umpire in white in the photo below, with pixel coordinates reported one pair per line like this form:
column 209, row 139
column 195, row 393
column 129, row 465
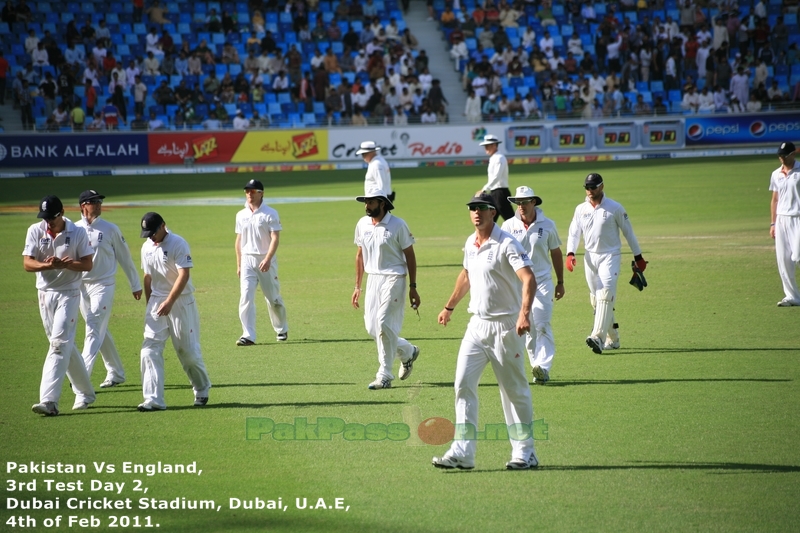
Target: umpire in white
column 386, row 253
column 258, row 231
column 497, row 184
column 58, row 252
column 97, row 289
column 785, row 227
column 378, row 176
column 539, row 236
column 599, row 219
column 497, row 274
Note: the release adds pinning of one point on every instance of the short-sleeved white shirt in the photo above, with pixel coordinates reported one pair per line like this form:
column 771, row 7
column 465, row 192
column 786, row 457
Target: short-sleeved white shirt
column 788, row 188
column 382, row 245
column 162, row 261
column 498, row 172
column 378, row 176
column 109, row 248
column 537, row 239
column 71, row 242
column 255, row 228
column 495, row 289
column 600, row 227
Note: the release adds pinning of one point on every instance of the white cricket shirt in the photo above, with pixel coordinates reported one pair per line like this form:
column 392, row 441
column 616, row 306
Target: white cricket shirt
column 71, row 242
column 382, row 245
column 498, row 173
column 600, row 227
column 109, row 248
column 537, row 239
column 788, row 188
column 378, row 176
column 495, row 290
column 162, row 261
column 255, row 228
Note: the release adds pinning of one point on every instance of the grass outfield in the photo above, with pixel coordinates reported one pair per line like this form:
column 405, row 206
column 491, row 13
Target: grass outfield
column 691, row 426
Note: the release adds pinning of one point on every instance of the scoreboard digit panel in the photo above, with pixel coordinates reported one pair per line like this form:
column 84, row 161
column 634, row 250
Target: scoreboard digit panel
column 663, row 134
column 527, row 140
column 570, row 138
column 617, row 136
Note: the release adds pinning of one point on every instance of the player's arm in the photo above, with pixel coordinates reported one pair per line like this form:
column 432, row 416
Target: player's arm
column 461, row 289
column 573, row 238
column 359, row 276
column 148, row 290
column 123, row 255
column 238, row 248
column 275, row 237
column 411, row 263
column 773, row 210
column 627, row 230
column 84, row 264
column 558, row 265
column 177, row 289
column 525, row 275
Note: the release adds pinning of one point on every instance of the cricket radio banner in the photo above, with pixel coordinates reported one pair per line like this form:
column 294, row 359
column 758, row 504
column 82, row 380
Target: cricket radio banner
column 74, row 150
column 283, row 146
column 741, row 129
column 211, row 146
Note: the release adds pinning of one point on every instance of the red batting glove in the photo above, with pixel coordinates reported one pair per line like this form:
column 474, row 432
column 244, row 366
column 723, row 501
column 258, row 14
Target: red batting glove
column 641, row 264
column 571, row 262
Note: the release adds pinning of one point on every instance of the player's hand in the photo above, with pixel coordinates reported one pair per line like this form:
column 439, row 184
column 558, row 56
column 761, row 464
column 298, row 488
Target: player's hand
column 444, row 317
column 559, row 291
column 413, row 297
column 265, row 264
column 354, row 299
column 524, row 323
column 137, row 295
column 571, row 262
column 164, row 308
column 641, row 264
column 772, row 231
column 238, row 271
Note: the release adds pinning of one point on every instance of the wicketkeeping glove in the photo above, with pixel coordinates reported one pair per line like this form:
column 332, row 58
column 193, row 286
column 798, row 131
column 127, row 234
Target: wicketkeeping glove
column 637, row 280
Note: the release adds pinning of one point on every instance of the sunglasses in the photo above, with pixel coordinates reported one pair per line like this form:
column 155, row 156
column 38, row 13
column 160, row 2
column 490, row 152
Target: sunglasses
column 524, row 202
column 481, row 207
column 50, row 219
column 93, row 202
column 590, row 187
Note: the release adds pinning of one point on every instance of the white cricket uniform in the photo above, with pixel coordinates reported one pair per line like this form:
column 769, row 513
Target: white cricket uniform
column 382, row 248
column 497, row 185
column 787, row 228
column 378, row 175
column 59, row 299
column 161, row 262
column 255, row 228
column 97, row 293
column 600, row 227
column 491, row 337
column 538, row 239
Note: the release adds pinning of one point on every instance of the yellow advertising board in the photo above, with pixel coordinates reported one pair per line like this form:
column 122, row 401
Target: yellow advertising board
column 283, row 146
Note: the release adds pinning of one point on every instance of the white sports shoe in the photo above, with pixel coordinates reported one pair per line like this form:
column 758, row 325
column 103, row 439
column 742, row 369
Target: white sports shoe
column 408, row 366
column 595, row 344
column 450, row 462
column 45, row 408
column 110, row 383
column 146, row 407
column 540, row 375
column 787, row 303
column 611, row 345
column 80, row 405
column 519, row 464
column 200, row 401
column 380, row 384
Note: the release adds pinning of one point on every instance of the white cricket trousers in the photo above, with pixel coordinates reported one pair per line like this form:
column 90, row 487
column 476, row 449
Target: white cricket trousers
column 383, row 318
column 59, row 311
column 182, row 324
column 96, row 303
column 540, row 342
column 602, row 275
column 249, row 278
column 787, row 250
column 495, row 342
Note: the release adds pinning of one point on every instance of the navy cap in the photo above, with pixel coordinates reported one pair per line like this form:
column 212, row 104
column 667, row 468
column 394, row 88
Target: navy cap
column 151, row 223
column 50, row 207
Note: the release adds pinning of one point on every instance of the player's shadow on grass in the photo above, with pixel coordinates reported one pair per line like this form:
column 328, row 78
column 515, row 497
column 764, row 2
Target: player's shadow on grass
column 570, row 383
column 372, row 341
column 442, row 266
column 648, row 351
column 712, row 468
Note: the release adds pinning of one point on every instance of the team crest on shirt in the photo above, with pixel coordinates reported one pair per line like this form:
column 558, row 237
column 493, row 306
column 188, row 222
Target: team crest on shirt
column 490, row 256
column 44, row 241
column 189, row 258
column 525, row 257
column 625, row 216
column 165, row 256
column 540, row 232
column 605, row 214
column 66, row 242
column 99, row 237
column 516, row 232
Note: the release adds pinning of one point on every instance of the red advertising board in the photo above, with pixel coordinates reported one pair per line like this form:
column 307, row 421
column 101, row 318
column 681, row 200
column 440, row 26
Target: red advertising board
column 203, row 146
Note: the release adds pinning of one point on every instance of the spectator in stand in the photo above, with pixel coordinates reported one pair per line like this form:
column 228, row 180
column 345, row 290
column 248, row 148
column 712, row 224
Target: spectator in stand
column 230, row 56
column 111, row 116
column 740, row 85
column 459, row 52
column 490, row 108
column 774, row 93
column 331, row 63
column 212, row 122
column 164, row 95
column 229, row 24
column 691, row 100
column 77, row 117
column 74, row 56
column 139, row 123
column 268, row 44
column 151, row 65
column 121, row 102
column 97, row 123
column 753, row 104
column 155, row 123
column 31, row 42
column 281, row 83
column 40, row 57
column 240, row 122
column 60, row 115
column 48, row 90
column 195, row 65
column 155, row 13
column 408, row 40
column 641, row 108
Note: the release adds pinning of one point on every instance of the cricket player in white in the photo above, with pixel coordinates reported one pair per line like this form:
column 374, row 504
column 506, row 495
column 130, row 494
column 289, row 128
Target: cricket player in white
column 785, row 226
column 378, row 176
column 539, row 237
column 386, row 253
column 97, row 289
column 600, row 219
column 171, row 312
column 497, row 274
column 58, row 252
column 497, row 184
column 258, row 231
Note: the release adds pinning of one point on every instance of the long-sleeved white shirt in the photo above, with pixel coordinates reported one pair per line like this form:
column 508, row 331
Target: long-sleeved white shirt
column 109, row 248
column 600, row 227
column 498, row 173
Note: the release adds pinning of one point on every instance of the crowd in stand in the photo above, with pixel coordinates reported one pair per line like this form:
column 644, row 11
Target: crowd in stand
column 352, row 67
column 634, row 58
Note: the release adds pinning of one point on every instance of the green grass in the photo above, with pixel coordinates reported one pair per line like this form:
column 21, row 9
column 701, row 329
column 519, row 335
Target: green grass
column 691, row 426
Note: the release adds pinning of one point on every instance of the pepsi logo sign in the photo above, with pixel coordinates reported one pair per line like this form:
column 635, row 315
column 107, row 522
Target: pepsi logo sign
column 695, row 132
column 758, row 128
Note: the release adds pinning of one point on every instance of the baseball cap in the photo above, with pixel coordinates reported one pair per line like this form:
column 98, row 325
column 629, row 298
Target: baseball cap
column 525, row 193
column 254, row 184
column 376, row 193
column 593, row 180
column 786, row 148
column 483, row 198
column 490, row 139
column 366, row 147
column 50, row 207
column 151, row 222
column 88, row 196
